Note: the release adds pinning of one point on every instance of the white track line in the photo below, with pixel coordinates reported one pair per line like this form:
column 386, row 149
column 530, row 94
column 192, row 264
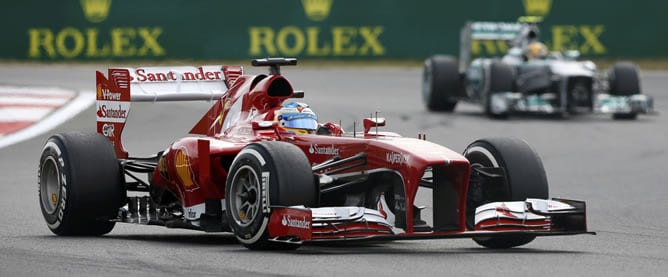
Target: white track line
column 24, row 114
column 82, row 101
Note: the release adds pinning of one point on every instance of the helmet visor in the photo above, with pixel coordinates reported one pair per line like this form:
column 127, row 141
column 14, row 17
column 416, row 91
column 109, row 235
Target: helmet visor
column 302, row 123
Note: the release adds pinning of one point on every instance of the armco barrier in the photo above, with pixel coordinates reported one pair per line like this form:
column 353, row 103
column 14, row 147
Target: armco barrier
column 318, row 29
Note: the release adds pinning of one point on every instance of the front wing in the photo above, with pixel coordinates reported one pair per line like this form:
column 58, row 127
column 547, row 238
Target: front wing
column 543, row 103
column 536, row 217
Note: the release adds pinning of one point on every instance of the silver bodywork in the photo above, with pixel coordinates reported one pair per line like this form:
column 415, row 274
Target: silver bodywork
column 555, row 84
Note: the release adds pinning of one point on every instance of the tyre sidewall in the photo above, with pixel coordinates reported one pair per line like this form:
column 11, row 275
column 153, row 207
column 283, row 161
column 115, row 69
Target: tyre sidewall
column 514, row 153
column 501, row 79
column 90, row 184
column 525, row 173
column 440, row 84
column 624, row 79
column 255, row 232
column 54, row 149
column 480, row 154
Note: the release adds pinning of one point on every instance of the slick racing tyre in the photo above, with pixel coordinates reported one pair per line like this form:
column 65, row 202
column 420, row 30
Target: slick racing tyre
column 440, row 83
column 80, row 184
column 624, row 80
column 501, row 79
column 262, row 175
column 525, row 177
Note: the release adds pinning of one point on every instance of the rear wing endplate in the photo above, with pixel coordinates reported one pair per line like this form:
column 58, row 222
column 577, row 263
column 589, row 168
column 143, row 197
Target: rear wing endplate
column 122, row 86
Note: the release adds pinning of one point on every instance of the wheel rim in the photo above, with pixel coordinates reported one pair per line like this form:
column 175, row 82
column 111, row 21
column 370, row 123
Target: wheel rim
column 50, row 185
column 245, row 196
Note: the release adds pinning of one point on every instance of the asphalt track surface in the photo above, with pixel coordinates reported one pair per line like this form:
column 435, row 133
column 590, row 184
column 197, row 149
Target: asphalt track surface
column 619, row 167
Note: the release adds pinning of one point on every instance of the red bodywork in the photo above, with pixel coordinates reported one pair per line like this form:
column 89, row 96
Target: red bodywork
column 195, row 168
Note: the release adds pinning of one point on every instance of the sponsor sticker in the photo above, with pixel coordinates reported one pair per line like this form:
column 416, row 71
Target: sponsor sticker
column 158, row 74
column 162, row 168
column 105, row 94
column 396, row 158
column 290, row 221
column 116, row 112
column 265, row 192
column 194, row 212
column 323, row 150
column 108, row 130
column 184, row 170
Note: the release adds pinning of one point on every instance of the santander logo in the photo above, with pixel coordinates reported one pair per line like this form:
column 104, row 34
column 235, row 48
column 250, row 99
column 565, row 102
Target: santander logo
column 111, row 112
column 167, row 75
column 323, row 150
column 301, row 223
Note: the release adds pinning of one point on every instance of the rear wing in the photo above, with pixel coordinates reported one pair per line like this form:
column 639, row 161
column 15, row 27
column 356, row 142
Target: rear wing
column 122, row 86
column 517, row 34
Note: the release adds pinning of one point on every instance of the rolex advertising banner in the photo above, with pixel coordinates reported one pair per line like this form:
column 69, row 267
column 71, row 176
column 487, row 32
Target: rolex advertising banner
column 83, row 30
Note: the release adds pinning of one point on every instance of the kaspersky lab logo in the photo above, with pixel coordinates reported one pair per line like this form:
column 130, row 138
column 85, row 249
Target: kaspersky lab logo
column 317, row 10
column 537, row 7
column 96, row 11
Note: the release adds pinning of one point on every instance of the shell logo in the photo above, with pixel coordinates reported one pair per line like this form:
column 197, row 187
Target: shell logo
column 99, row 91
column 162, row 168
column 184, row 171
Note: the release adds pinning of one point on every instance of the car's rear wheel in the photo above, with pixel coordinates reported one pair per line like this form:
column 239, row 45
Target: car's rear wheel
column 624, row 80
column 266, row 174
column 441, row 83
column 501, row 79
column 80, row 184
column 524, row 175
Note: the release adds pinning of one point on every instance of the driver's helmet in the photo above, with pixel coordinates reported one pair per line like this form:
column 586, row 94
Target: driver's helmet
column 297, row 117
column 535, row 50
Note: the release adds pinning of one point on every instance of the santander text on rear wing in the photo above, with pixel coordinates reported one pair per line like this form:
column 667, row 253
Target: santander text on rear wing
column 122, row 86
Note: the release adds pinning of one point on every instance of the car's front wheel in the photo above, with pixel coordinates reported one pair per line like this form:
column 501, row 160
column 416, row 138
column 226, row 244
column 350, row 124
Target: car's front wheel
column 501, row 79
column 624, row 80
column 440, row 83
column 263, row 175
column 524, row 175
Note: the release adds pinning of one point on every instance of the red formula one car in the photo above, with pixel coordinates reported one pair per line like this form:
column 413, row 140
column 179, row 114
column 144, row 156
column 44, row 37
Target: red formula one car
column 259, row 165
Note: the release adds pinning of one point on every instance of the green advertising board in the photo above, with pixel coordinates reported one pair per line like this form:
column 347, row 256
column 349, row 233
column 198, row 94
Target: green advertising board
column 314, row 29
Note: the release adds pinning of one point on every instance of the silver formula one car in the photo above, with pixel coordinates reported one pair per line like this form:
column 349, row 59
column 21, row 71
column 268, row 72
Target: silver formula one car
column 528, row 78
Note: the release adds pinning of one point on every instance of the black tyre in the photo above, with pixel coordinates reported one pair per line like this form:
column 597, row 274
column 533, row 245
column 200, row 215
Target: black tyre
column 80, row 184
column 525, row 177
column 625, row 116
column 441, row 84
column 275, row 171
column 501, row 79
column 624, row 80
